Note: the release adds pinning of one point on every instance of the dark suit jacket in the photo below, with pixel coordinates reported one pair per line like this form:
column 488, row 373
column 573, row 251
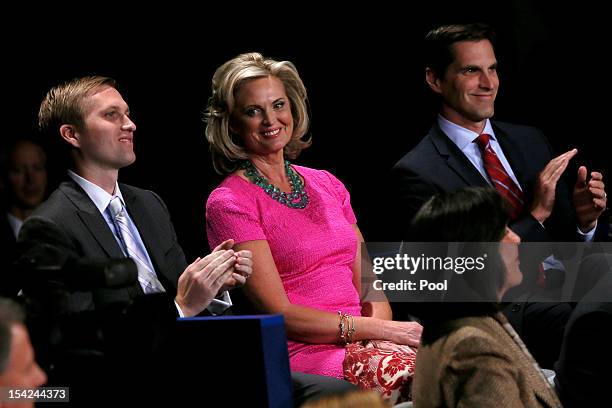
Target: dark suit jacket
column 584, row 367
column 437, row 165
column 70, row 223
column 8, row 278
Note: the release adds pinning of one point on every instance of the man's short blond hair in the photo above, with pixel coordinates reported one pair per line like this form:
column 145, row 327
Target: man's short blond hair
column 63, row 104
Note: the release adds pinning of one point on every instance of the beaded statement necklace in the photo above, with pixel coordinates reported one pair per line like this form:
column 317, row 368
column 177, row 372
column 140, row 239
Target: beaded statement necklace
column 297, row 198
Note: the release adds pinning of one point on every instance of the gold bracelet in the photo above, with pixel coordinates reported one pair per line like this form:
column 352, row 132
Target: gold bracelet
column 347, row 327
column 351, row 330
column 342, row 326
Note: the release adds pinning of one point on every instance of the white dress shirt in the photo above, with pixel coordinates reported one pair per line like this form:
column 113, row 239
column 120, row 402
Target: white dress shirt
column 464, row 139
column 101, row 199
column 15, row 223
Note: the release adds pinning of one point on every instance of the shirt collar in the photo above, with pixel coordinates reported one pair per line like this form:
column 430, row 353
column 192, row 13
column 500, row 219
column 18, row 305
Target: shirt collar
column 14, row 222
column 461, row 136
column 98, row 195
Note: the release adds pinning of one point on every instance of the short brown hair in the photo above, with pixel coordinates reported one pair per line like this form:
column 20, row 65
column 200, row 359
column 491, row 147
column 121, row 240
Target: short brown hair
column 438, row 51
column 63, row 103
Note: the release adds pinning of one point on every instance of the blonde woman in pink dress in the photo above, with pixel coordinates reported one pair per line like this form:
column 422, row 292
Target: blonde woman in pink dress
column 300, row 226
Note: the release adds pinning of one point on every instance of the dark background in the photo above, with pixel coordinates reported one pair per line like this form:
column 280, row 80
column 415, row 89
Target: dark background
column 361, row 66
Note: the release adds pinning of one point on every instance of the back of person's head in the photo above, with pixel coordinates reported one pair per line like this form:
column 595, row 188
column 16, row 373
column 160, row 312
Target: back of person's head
column 438, row 43
column 63, row 104
column 476, row 217
column 474, row 214
column 10, row 314
column 353, row 399
column 18, row 369
column 227, row 149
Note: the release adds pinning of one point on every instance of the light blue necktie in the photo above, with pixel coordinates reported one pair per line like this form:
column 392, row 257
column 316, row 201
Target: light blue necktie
column 146, row 276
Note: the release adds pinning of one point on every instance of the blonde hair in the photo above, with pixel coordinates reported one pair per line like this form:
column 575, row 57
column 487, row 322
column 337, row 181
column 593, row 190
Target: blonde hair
column 353, row 399
column 63, row 103
column 228, row 78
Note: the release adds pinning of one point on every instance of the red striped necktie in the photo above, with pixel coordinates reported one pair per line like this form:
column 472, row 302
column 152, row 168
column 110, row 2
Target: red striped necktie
column 499, row 177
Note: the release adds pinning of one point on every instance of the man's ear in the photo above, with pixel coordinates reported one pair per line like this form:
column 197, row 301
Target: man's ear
column 432, row 80
column 70, row 134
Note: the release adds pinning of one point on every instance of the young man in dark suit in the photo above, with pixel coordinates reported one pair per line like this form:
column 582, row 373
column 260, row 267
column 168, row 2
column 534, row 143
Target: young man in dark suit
column 465, row 148
column 91, row 116
column 110, row 335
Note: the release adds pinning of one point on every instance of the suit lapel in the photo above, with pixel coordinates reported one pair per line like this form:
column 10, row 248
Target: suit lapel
column 535, row 381
column 542, row 391
column 455, row 159
column 145, row 223
column 93, row 220
column 544, row 394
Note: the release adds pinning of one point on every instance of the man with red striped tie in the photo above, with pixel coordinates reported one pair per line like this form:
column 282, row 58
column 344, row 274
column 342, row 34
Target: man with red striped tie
column 465, row 148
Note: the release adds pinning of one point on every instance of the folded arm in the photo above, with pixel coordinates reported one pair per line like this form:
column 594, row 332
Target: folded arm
column 265, row 289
